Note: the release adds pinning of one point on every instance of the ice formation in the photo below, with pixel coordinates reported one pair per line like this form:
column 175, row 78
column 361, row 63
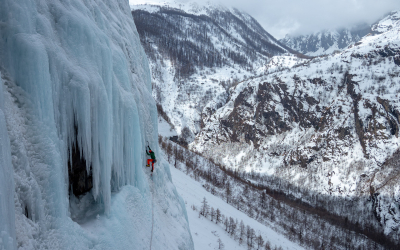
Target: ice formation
column 7, row 220
column 73, row 74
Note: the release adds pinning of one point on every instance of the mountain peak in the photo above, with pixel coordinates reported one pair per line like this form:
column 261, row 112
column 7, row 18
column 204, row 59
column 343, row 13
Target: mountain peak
column 387, row 23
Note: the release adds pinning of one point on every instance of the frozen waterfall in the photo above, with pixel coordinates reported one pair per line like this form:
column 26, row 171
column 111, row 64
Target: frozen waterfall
column 75, row 87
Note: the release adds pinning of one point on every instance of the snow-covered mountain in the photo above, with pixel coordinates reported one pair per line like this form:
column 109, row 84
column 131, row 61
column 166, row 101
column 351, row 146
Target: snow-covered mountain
column 328, row 127
column 325, row 42
column 197, row 52
column 76, row 113
column 387, row 23
column 329, row 41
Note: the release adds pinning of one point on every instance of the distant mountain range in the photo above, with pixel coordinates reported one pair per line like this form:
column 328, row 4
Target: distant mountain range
column 328, row 41
column 325, row 42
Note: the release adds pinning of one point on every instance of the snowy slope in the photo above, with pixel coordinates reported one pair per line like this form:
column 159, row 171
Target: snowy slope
column 206, row 233
column 329, row 126
column 251, row 194
column 165, row 129
column 75, row 93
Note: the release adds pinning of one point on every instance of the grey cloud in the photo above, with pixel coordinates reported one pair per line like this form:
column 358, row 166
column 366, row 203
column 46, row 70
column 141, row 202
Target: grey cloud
column 307, row 16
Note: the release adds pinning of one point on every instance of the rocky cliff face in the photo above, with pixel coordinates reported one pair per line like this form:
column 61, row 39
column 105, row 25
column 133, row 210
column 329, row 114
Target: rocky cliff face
column 329, row 125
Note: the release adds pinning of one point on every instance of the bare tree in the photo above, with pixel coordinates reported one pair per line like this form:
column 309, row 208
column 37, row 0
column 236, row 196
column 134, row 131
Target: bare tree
column 263, row 199
column 232, row 226
column 220, row 244
column 228, row 192
column 226, row 223
column 218, row 216
column 267, row 245
column 242, row 232
column 250, row 237
column 212, row 214
column 260, row 242
column 176, row 155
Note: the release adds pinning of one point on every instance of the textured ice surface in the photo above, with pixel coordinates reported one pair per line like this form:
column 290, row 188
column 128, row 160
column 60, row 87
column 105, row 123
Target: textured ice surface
column 68, row 64
column 7, row 220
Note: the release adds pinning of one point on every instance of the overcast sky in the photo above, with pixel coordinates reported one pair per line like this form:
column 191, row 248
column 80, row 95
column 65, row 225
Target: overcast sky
column 281, row 17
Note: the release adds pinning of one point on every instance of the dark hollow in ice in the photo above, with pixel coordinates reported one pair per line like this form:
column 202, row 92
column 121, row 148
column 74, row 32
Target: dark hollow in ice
column 80, row 181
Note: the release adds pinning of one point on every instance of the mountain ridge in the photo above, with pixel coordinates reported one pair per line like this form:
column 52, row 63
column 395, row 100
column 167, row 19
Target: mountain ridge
column 328, row 41
column 325, row 42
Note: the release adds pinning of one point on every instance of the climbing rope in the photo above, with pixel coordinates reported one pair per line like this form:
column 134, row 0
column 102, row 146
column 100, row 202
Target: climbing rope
column 152, row 214
column 152, row 206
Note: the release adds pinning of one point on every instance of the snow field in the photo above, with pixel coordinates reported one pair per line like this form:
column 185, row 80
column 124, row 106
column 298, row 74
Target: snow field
column 164, row 129
column 206, row 233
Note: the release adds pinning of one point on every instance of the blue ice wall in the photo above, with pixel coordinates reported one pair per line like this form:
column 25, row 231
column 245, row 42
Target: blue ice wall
column 67, row 63
column 7, row 214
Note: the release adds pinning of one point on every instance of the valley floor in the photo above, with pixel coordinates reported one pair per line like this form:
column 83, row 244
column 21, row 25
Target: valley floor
column 206, row 233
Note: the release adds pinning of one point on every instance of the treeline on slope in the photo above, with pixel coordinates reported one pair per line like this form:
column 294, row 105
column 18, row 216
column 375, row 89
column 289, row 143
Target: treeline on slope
column 190, row 46
column 238, row 231
column 310, row 226
column 251, row 32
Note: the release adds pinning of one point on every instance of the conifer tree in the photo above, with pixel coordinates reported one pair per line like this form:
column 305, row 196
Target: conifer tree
column 204, row 208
